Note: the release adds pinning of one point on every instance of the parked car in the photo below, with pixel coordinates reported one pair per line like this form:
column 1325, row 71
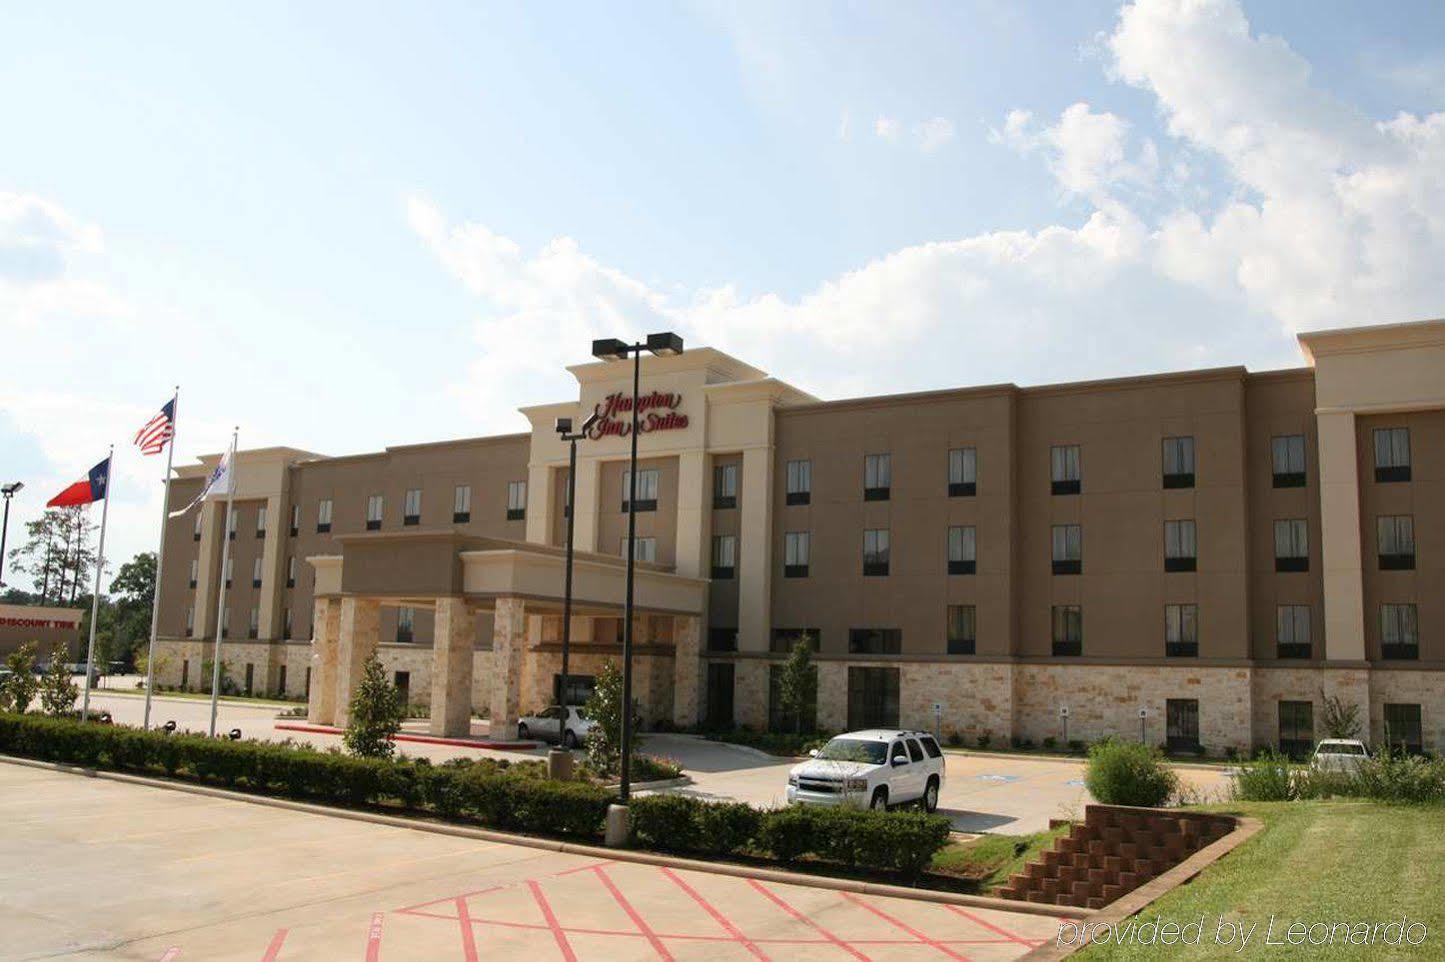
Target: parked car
column 567, row 726
column 878, row 768
column 1340, row 755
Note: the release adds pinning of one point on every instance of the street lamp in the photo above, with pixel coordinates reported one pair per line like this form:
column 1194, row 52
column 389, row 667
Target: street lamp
column 564, row 430
column 9, row 492
column 665, row 344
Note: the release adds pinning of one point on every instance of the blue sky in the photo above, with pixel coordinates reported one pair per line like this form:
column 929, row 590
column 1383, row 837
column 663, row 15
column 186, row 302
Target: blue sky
column 413, row 216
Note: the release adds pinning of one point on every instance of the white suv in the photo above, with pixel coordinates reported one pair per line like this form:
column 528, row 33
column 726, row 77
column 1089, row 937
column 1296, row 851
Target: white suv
column 878, row 768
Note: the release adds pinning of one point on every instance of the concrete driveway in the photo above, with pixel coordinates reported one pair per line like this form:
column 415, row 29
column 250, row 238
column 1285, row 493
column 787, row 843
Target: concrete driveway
column 101, row 870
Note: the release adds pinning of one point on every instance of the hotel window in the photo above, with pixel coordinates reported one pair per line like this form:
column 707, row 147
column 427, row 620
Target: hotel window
column 872, row 698
column 291, row 572
column 1392, row 454
column 1296, row 728
column 190, row 621
column 647, row 480
column 795, row 554
column 875, row 551
column 323, row 516
column 195, row 573
column 1396, row 542
column 1403, row 728
column 230, row 570
column 462, row 504
column 373, row 512
column 285, row 620
column 875, row 641
column 255, row 572
column 281, row 673
column 877, row 477
column 961, row 629
column 1181, row 631
column 253, row 627
column 295, row 519
column 1288, row 452
column 962, row 549
column 405, row 622
column 231, row 519
column 724, row 556
column 1178, row 462
column 784, row 640
column 1181, row 724
column 1064, row 472
column 722, row 639
column 411, row 507
column 196, row 534
column 225, row 625
column 962, row 472
column 517, row 500
column 725, row 486
column 1399, row 632
column 1292, row 631
column 800, row 482
column 1068, row 549
column 1180, row 545
column 646, row 549
column 1291, row 545
column 261, row 521
column 1068, row 630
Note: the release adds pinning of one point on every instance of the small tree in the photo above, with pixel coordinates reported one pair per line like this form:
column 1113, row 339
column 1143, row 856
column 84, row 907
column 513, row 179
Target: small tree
column 1341, row 720
column 604, row 707
column 19, row 689
column 798, row 687
column 142, row 660
column 228, row 684
column 57, row 691
column 375, row 714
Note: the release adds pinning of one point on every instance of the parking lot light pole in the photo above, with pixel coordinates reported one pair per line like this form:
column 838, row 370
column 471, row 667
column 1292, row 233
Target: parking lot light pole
column 9, row 492
column 665, row 344
column 559, row 760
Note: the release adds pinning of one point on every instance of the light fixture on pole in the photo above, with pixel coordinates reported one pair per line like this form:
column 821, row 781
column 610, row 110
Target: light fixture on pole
column 666, row 344
column 557, row 765
column 9, row 492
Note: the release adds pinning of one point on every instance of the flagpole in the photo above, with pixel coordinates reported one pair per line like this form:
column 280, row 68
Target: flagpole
column 161, row 560
column 95, row 598
column 221, row 595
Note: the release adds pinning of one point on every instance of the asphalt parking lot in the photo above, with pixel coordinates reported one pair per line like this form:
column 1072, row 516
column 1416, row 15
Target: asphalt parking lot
column 102, row 870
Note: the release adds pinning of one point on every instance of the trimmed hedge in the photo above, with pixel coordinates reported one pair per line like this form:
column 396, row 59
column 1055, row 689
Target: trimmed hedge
column 1129, row 773
column 902, row 842
column 489, row 794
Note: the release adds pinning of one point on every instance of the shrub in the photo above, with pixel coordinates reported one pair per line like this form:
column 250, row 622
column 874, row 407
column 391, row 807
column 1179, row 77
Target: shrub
column 1076, row 746
column 954, row 739
column 375, row 713
column 728, row 827
column 984, row 738
column 654, row 768
column 604, row 707
column 903, row 842
column 57, row 691
column 788, row 833
column 668, row 823
column 1050, row 743
column 18, row 690
column 1340, row 720
column 1129, row 773
column 1264, row 779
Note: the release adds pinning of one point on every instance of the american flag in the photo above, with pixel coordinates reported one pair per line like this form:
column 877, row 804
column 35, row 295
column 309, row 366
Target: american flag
column 152, row 438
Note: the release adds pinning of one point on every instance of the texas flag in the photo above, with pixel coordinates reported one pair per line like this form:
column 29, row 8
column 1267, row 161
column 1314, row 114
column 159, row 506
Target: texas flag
column 86, row 491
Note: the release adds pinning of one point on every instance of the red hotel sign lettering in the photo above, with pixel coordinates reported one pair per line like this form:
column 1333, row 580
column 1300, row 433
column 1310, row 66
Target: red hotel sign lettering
column 656, row 411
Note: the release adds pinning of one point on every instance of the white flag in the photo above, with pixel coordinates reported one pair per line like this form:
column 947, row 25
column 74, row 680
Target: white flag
column 219, row 482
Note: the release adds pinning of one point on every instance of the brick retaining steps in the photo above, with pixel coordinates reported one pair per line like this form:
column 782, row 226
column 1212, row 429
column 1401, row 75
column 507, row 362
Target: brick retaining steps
column 1112, row 852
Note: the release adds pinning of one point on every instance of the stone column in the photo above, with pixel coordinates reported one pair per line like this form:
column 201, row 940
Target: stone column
column 587, row 495
column 509, row 636
column 1343, row 578
column 686, row 670
column 451, row 673
column 693, row 515
column 539, row 503
column 755, row 550
column 359, row 634
column 325, row 631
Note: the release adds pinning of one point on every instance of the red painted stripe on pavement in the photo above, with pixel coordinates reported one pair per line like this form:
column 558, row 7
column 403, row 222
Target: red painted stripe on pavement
column 557, row 932
column 274, row 949
column 995, row 929
column 718, row 917
column 373, row 938
column 171, row 953
column 469, row 937
column 632, row 914
column 782, row 904
column 905, row 927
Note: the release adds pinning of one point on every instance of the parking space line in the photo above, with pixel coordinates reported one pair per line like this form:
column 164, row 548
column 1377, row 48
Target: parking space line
column 547, row 914
column 632, row 914
column 373, row 938
column 995, row 929
column 171, row 953
column 274, row 949
column 469, row 936
column 905, row 927
column 717, row 916
column 783, row 904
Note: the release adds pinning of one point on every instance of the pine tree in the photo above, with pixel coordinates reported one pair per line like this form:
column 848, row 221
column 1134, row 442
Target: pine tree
column 57, row 691
column 375, row 713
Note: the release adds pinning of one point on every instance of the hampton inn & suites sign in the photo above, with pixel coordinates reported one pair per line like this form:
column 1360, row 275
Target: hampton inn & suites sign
column 656, row 411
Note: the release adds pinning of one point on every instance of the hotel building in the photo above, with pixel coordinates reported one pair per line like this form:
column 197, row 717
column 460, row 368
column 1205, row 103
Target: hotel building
column 1203, row 557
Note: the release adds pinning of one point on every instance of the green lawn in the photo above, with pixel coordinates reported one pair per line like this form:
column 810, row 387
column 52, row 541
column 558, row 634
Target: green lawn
column 1330, row 861
column 991, row 859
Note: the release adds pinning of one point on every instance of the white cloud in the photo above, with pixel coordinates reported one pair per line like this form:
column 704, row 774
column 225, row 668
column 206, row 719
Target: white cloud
column 1085, row 151
column 933, row 133
column 888, row 128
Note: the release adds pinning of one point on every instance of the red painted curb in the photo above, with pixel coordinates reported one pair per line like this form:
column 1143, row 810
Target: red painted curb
column 424, row 739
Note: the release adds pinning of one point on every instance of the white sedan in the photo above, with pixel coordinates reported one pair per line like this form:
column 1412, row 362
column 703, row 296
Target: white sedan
column 567, row 726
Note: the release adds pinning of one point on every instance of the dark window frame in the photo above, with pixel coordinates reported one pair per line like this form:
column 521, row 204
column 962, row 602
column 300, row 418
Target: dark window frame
column 1181, row 724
